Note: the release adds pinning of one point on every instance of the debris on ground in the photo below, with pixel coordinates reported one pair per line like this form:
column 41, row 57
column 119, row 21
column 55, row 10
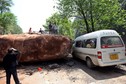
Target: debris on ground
column 71, row 63
column 53, row 66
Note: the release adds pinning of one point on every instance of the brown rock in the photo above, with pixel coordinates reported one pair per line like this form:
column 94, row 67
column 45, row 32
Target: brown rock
column 34, row 47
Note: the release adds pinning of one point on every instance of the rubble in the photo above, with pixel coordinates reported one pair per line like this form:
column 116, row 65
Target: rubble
column 36, row 47
column 71, row 63
column 53, row 66
column 29, row 73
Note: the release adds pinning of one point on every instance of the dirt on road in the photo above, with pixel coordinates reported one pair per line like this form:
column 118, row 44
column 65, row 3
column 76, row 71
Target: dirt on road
column 67, row 71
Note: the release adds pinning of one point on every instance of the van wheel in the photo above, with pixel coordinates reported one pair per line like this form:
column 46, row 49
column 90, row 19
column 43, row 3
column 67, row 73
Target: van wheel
column 89, row 63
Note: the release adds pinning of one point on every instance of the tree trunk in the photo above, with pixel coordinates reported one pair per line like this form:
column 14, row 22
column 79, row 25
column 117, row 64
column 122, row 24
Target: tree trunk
column 85, row 20
column 83, row 14
column 92, row 22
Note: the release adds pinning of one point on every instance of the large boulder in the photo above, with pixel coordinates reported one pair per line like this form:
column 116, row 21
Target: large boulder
column 35, row 47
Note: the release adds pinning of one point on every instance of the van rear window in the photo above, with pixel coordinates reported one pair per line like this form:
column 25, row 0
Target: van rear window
column 111, row 42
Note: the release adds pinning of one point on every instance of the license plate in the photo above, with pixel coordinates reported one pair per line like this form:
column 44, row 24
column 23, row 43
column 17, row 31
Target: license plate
column 113, row 56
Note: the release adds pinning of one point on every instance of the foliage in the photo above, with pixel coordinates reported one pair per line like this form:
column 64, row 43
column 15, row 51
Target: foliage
column 63, row 23
column 15, row 29
column 8, row 22
column 123, row 4
column 79, row 27
column 5, row 5
column 96, row 14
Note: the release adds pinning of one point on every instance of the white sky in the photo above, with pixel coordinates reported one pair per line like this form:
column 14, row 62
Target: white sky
column 32, row 13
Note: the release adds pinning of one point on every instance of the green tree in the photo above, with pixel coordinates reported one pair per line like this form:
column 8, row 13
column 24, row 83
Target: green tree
column 5, row 5
column 8, row 23
column 63, row 24
column 79, row 27
column 123, row 4
column 15, row 29
column 96, row 14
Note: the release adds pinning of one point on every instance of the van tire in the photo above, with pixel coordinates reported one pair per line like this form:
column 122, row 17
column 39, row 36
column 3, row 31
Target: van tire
column 89, row 63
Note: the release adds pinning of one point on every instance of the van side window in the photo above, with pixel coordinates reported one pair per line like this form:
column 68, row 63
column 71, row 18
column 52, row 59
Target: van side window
column 91, row 43
column 83, row 44
column 78, row 44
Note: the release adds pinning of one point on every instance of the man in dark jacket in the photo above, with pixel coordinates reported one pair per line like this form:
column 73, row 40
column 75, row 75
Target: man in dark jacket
column 50, row 28
column 9, row 64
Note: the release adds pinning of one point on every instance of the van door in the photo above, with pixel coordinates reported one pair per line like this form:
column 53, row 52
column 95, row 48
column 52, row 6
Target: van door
column 112, row 49
column 77, row 48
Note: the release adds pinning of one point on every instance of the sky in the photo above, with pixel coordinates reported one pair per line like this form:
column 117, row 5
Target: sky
column 32, row 13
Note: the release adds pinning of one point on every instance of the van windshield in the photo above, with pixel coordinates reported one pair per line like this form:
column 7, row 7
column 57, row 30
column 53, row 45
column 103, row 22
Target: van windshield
column 111, row 42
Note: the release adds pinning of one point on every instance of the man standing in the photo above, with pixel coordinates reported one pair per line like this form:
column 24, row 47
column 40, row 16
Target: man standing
column 41, row 31
column 50, row 28
column 55, row 28
column 30, row 30
column 9, row 64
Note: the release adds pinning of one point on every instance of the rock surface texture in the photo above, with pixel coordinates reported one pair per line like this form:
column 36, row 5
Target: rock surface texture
column 35, row 47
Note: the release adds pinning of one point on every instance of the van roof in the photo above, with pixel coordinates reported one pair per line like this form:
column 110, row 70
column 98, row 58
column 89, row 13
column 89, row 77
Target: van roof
column 98, row 33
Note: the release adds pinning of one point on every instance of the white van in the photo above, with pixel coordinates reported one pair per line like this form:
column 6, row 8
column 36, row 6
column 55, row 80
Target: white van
column 100, row 48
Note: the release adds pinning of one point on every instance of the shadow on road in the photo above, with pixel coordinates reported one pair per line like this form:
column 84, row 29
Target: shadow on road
column 101, row 73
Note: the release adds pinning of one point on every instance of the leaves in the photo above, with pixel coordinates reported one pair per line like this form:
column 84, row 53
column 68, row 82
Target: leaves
column 5, row 5
column 8, row 22
column 63, row 23
column 96, row 14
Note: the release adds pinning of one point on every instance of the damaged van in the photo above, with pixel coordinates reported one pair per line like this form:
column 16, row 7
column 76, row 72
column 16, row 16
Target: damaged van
column 100, row 48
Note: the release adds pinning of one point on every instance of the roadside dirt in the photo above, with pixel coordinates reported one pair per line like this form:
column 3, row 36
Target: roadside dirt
column 67, row 71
